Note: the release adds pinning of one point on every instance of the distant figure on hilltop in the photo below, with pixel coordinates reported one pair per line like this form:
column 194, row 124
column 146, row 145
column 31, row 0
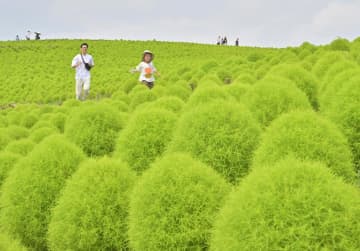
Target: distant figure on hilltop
column 28, row 35
column 37, row 35
column 147, row 69
column 237, row 42
column 17, row 38
column 224, row 41
column 219, row 40
column 83, row 63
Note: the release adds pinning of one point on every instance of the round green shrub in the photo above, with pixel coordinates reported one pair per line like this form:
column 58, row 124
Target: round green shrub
column 210, row 65
column 308, row 46
column 262, row 71
column 58, row 120
column 32, row 187
column 303, row 79
column 7, row 244
column 15, row 117
column 237, row 90
column 145, row 137
column 29, row 120
column 272, row 97
column 17, row 132
column 159, row 90
column 326, row 61
column 245, row 78
column 7, row 161
column 4, row 139
column 340, row 44
column 330, row 90
column 41, row 133
column 169, row 103
column 138, row 88
column 225, row 76
column 71, row 103
column 178, row 91
column 140, row 97
column 292, row 206
column 344, row 111
column 128, row 85
column 208, row 81
column 46, row 109
column 92, row 211
column 94, row 128
column 205, row 95
column 43, row 124
column 21, row 147
column 3, row 121
column 182, row 83
column 173, row 205
column 121, row 96
column 120, row 106
column 306, row 136
column 335, row 70
column 221, row 134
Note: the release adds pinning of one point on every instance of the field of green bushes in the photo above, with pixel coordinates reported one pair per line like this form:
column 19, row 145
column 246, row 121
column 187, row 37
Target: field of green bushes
column 235, row 148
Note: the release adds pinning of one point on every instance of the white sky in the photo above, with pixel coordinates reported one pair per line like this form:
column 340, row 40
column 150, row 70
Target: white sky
column 256, row 22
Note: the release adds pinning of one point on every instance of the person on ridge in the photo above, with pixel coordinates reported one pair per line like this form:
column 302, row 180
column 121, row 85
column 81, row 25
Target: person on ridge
column 147, row 69
column 28, row 35
column 219, row 40
column 83, row 63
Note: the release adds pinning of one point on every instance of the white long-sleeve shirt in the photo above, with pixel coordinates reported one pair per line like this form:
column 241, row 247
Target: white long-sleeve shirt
column 146, row 72
column 81, row 72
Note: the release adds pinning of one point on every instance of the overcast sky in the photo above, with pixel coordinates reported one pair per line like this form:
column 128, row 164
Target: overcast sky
column 256, row 22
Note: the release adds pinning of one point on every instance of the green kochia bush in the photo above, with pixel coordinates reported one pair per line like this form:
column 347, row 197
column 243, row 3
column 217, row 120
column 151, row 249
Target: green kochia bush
column 237, row 90
column 59, row 120
column 340, row 44
column 29, row 120
column 17, row 132
column 91, row 213
column 43, row 124
column 41, row 133
column 179, row 91
column 303, row 79
column 344, row 110
column 170, row 103
column 330, row 89
column 141, row 96
column 145, row 137
column 221, row 134
column 94, row 128
column 204, row 95
column 336, row 70
column 32, row 187
column 7, row 244
column 4, row 139
column 325, row 62
column 291, row 206
column 174, row 204
column 306, row 136
column 22, row 146
column 272, row 97
column 3, row 121
column 7, row 161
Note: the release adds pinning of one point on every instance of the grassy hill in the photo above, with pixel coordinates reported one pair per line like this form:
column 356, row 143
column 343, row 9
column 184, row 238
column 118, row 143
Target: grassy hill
column 235, row 148
column 39, row 71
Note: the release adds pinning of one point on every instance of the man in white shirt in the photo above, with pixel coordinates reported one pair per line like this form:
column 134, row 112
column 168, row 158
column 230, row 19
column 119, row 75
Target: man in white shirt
column 83, row 63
